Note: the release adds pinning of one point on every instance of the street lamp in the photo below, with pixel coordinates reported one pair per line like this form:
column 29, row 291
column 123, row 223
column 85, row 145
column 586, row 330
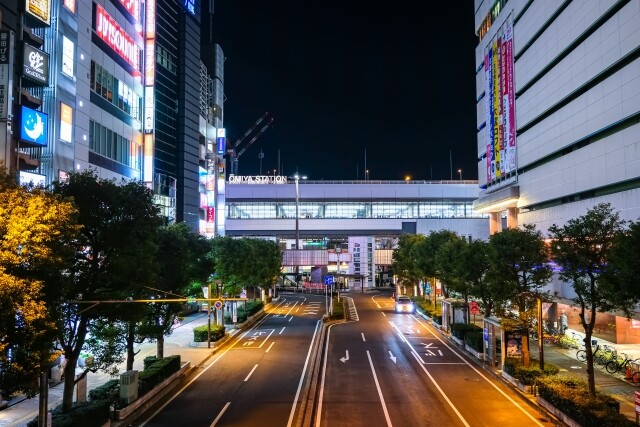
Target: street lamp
column 460, row 172
column 297, row 178
column 366, row 175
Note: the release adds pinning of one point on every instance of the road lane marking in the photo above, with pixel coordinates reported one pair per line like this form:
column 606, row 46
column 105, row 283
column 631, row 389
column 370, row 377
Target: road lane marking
column 304, row 370
column 220, row 414
column 269, row 348
column 254, row 368
column 344, row 359
column 375, row 378
column 282, row 330
column 516, row 404
column 363, row 338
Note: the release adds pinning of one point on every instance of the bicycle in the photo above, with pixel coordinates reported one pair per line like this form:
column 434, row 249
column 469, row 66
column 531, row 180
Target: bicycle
column 605, row 355
column 581, row 354
column 618, row 363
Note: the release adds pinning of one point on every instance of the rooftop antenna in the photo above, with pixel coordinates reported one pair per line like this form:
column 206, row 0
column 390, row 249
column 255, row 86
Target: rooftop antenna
column 450, row 166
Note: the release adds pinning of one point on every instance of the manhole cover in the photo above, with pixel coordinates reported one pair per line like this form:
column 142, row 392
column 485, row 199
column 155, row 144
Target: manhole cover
column 473, row 380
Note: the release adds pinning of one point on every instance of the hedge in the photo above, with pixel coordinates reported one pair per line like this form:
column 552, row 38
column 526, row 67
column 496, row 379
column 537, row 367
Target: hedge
column 426, row 306
column 459, row 330
column 93, row 413
column 528, row 376
column 157, row 372
column 474, row 339
column 200, row 333
column 571, row 396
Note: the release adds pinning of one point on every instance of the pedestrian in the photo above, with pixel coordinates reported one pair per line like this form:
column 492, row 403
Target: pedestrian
column 563, row 323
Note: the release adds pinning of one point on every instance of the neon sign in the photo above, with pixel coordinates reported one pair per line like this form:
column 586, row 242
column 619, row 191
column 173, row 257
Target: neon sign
column 133, row 7
column 117, row 39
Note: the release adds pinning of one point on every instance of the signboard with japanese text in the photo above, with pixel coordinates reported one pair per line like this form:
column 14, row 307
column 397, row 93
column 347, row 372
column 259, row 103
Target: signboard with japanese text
column 6, row 66
column 39, row 9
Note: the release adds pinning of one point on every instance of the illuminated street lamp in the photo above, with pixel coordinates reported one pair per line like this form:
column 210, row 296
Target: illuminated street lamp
column 297, row 178
column 460, row 172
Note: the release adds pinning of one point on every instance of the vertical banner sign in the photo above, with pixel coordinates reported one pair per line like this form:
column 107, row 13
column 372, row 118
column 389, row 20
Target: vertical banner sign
column 489, row 116
column 509, row 99
column 149, row 82
column 495, row 69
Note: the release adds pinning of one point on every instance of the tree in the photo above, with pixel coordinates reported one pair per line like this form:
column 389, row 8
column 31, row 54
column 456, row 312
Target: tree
column 34, row 224
column 582, row 248
column 474, row 268
column 519, row 266
column 450, row 267
column 404, row 262
column 111, row 260
column 425, row 255
column 623, row 275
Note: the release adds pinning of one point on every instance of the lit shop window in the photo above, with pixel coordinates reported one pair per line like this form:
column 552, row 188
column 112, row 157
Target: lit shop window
column 68, row 55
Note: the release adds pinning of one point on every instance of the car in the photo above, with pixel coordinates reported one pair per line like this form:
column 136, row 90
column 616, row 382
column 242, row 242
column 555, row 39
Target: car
column 404, row 304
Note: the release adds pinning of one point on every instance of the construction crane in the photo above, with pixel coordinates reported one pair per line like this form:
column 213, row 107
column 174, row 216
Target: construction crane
column 234, row 155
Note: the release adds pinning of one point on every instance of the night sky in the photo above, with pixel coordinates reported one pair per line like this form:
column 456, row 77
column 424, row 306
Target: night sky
column 343, row 78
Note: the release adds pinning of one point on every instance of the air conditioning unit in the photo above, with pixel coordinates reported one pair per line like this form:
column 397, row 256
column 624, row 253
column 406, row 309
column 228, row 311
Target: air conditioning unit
column 128, row 387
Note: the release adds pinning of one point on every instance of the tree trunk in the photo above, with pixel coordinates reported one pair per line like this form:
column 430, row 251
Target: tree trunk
column 131, row 355
column 69, row 382
column 160, row 346
column 588, row 333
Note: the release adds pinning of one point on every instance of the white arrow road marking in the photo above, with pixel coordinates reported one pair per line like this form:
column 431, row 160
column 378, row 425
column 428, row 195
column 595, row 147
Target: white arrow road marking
column 344, row 359
column 392, row 356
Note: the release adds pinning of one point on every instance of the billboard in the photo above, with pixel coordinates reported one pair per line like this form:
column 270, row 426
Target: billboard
column 33, row 126
column 35, row 64
column 66, row 122
column 500, row 105
column 116, row 37
column 39, row 9
column 32, row 178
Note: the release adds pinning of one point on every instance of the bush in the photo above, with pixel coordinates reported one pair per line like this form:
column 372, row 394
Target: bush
column 571, row 396
column 528, row 376
column 459, row 330
column 244, row 311
column 148, row 361
column 474, row 339
column 109, row 391
column 338, row 310
column 200, row 333
column 93, row 413
column 158, row 372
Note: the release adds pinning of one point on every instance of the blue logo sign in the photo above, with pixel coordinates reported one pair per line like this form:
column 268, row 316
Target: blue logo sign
column 33, row 126
column 328, row 280
column 190, row 6
column 221, row 144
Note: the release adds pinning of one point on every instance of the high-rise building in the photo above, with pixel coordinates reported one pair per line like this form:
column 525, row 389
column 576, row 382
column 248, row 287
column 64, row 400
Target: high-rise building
column 109, row 85
column 558, row 109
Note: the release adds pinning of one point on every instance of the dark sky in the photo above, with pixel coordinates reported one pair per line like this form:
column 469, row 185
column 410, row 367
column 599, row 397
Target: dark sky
column 342, row 77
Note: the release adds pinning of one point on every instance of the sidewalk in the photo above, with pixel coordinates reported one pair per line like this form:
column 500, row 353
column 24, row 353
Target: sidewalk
column 21, row 410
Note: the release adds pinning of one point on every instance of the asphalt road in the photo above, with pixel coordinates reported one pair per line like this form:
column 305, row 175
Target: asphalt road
column 256, row 379
column 389, row 369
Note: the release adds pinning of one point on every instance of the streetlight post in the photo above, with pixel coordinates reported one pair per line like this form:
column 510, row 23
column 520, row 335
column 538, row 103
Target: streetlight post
column 297, row 178
column 460, row 173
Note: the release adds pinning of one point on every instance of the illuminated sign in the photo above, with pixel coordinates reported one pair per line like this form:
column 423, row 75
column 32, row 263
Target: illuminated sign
column 116, row 38
column 221, row 140
column 68, row 54
column 33, row 126
column 149, row 106
column 6, row 72
column 133, row 7
column 190, row 6
column 150, row 24
column 66, row 122
column 258, row 179
column 71, row 5
column 35, row 64
column 40, row 9
column 32, row 178
column 149, row 62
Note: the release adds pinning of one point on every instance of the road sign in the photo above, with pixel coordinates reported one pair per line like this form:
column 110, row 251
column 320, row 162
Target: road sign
column 218, row 304
column 474, row 308
column 328, row 280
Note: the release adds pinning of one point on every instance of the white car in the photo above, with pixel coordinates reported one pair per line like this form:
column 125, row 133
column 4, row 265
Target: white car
column 404, row 305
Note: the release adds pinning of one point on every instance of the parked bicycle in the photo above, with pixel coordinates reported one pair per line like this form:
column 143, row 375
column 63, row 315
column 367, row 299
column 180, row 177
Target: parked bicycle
column 603, row 356
column 581, row 354
column 618, row 363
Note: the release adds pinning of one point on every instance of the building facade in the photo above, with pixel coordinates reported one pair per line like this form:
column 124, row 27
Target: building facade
column 558, row 116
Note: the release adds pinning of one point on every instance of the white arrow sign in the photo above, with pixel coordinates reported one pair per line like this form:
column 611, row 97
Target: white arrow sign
column 344, row 359
column 392, row 356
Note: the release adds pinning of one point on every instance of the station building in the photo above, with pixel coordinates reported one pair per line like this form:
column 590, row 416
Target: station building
column 347, row 227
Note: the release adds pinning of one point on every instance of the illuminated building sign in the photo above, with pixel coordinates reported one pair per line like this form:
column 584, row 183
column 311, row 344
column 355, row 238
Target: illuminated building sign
column 40, row 9
column 68, row 55
column 149, row 62
column 259, row 179
column 35, row 64
column 190, row 6
column 148, row 109
column 33, row 126
column 221, row 140
column 116, row 38
column 66, row 122
column 133, row 7
column 71, row 5
column 32, row 178
column 150, row 24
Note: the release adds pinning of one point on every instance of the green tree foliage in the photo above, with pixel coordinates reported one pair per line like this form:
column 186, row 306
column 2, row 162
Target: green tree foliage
column 582, row 248
column 33, row 226
column 425, row 256
column 474, row 268
column 114, row 254
column 450, row 267
column 240, row 263
column 404, row 262
column 519, row 266
column 623, row 275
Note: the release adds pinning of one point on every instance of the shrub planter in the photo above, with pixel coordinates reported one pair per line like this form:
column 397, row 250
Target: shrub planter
column 457, row 341
column 151, row 398
column 556, row 412
column 515, row 382
column 474, row 352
